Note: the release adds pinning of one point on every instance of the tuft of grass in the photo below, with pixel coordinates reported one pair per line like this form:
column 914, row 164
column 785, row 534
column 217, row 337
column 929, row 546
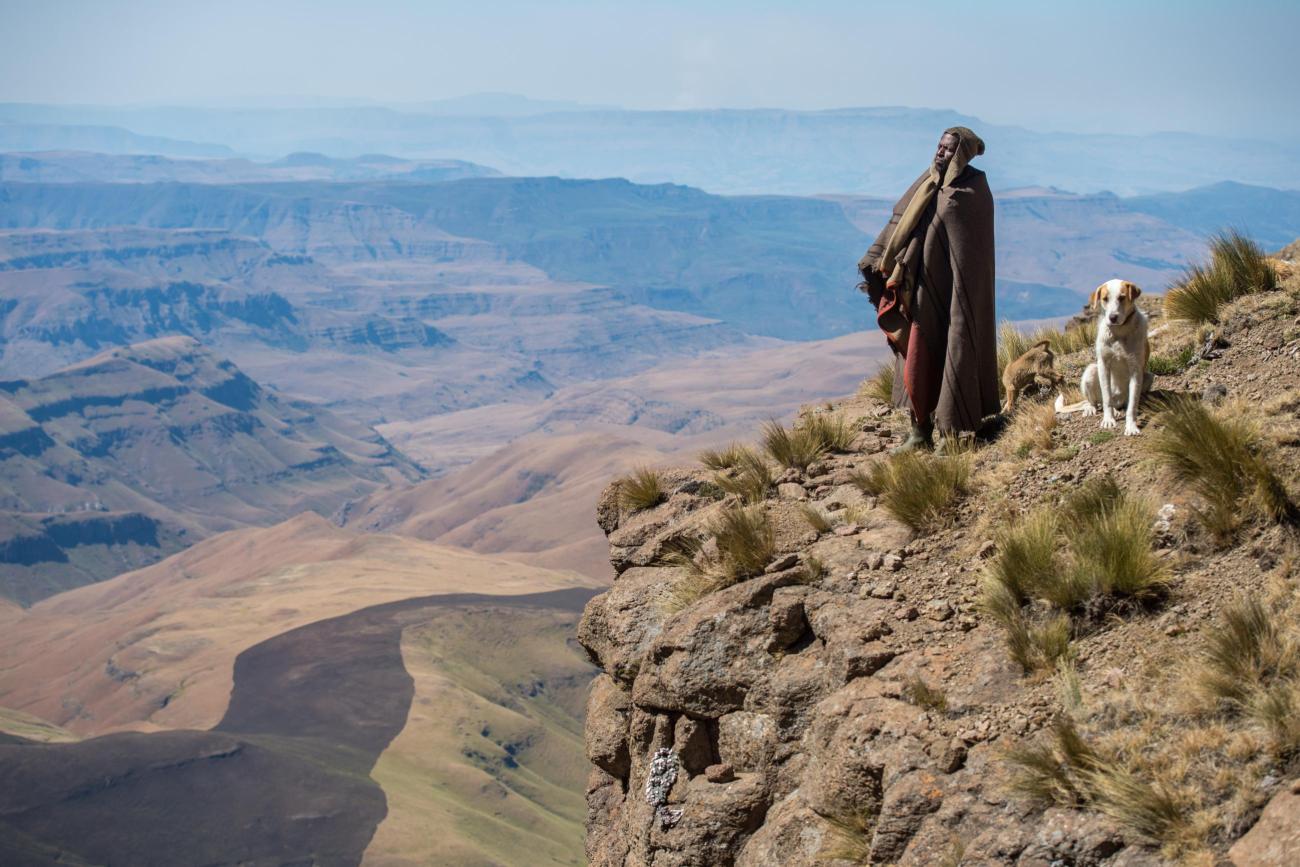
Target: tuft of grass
column 1169, row 365
column 1077, row 336
column 849, row 838
column 750, row 477
column 921, row 694
column 1276, row 708
column 1237, row 267
column 917, row 488
column 1063, row 768
column 870, row 481
column 745, row 545
column 831, row 431
column 1050, row 770
column 1069, row 688
column 722, row 459
column 813, row 569
column 1101, row 436
column 1149, row 809
column 643, row 489
column 1027, row 556
column 1245, row 260
column 1245, row 651
column 1092, row 498
column 1096, row 546
column 1200, row 293
column 1031, row 428
column 881, row 385
column 815, row 517
column 791, row 447
column 1224, row 461
column 1112, row 554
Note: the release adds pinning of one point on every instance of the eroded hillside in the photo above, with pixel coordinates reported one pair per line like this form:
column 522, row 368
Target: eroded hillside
column 115, row 462
column 1066, row 647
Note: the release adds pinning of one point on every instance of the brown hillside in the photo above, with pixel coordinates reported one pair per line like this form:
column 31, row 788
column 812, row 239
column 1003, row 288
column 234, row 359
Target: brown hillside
column 155, row 648
column 525, row 499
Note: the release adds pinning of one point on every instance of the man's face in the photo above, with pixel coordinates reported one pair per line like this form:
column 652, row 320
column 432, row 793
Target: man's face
column 944, row 153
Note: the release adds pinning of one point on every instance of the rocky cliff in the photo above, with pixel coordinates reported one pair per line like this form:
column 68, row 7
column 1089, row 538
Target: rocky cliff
column 854, row 701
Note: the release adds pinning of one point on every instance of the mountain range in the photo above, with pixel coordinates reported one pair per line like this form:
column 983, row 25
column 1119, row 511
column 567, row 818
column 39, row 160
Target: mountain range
column 852, row 150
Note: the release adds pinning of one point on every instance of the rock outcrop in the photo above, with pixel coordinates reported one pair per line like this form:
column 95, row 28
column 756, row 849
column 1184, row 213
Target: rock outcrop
column 778, row 703
column 850, row 705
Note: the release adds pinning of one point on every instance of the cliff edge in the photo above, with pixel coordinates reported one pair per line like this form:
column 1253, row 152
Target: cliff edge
column 805, row 664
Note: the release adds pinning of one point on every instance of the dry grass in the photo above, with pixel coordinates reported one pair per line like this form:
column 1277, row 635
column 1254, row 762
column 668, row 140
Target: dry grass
column 1028, row 556
column 1048, row 771
column 745, row 544
column 749, row 476
column 881, row 385
column 724, row 458
column 1250, row 666
column 816, row 518
column 829, row 430
column 849, row 839
column 1237, row 267
column 917, row 488
column 1031, row 429
column 793, row 447
column 1111, row 554
column 1063, row 768
column 643, row 489
column 1222, row 458
column 1092, row 550
column 921, row 694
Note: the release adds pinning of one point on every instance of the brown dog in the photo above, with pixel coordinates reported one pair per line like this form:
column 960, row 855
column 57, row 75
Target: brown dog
column 1036, row 365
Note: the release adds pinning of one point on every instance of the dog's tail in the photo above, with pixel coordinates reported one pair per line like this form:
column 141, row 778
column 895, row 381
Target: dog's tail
column 1074, row 407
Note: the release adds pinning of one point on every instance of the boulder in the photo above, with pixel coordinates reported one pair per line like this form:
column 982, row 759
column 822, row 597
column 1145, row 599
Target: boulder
column 609, row 708
column 792, row 836
column 747, row 741
column 1274, row 840
column 618, row 625
column 705, row 658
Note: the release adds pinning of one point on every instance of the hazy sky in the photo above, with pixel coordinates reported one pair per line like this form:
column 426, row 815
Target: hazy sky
column 1130, row 66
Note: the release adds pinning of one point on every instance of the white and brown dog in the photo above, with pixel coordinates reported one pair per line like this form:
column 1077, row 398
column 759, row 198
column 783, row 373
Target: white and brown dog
column 1119, row 377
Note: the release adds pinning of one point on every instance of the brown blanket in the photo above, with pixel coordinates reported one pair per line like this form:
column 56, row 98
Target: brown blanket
column 940, row 318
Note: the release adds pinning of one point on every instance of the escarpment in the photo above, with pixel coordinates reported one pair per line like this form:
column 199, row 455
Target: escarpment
column 852, row 701
column 780, row 701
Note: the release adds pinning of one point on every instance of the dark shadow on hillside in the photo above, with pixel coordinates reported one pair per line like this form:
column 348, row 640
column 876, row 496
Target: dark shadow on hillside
column 283, row 779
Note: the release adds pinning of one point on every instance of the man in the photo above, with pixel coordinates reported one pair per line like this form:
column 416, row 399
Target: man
column 930, row 277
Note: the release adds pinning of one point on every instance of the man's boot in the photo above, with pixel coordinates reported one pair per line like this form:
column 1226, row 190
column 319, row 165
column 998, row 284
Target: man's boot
column 919, row 438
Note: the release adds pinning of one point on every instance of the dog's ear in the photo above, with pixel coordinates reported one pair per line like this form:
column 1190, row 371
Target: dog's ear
column 1095, row 301
column 1130, row 291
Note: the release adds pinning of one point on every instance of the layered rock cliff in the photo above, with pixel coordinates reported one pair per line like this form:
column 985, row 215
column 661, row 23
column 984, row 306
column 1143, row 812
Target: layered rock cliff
column 852, row 703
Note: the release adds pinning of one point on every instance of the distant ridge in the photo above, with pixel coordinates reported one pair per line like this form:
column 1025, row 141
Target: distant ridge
column 875, row 150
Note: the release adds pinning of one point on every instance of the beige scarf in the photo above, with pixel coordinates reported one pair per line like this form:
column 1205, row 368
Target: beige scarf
column 969, row 146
